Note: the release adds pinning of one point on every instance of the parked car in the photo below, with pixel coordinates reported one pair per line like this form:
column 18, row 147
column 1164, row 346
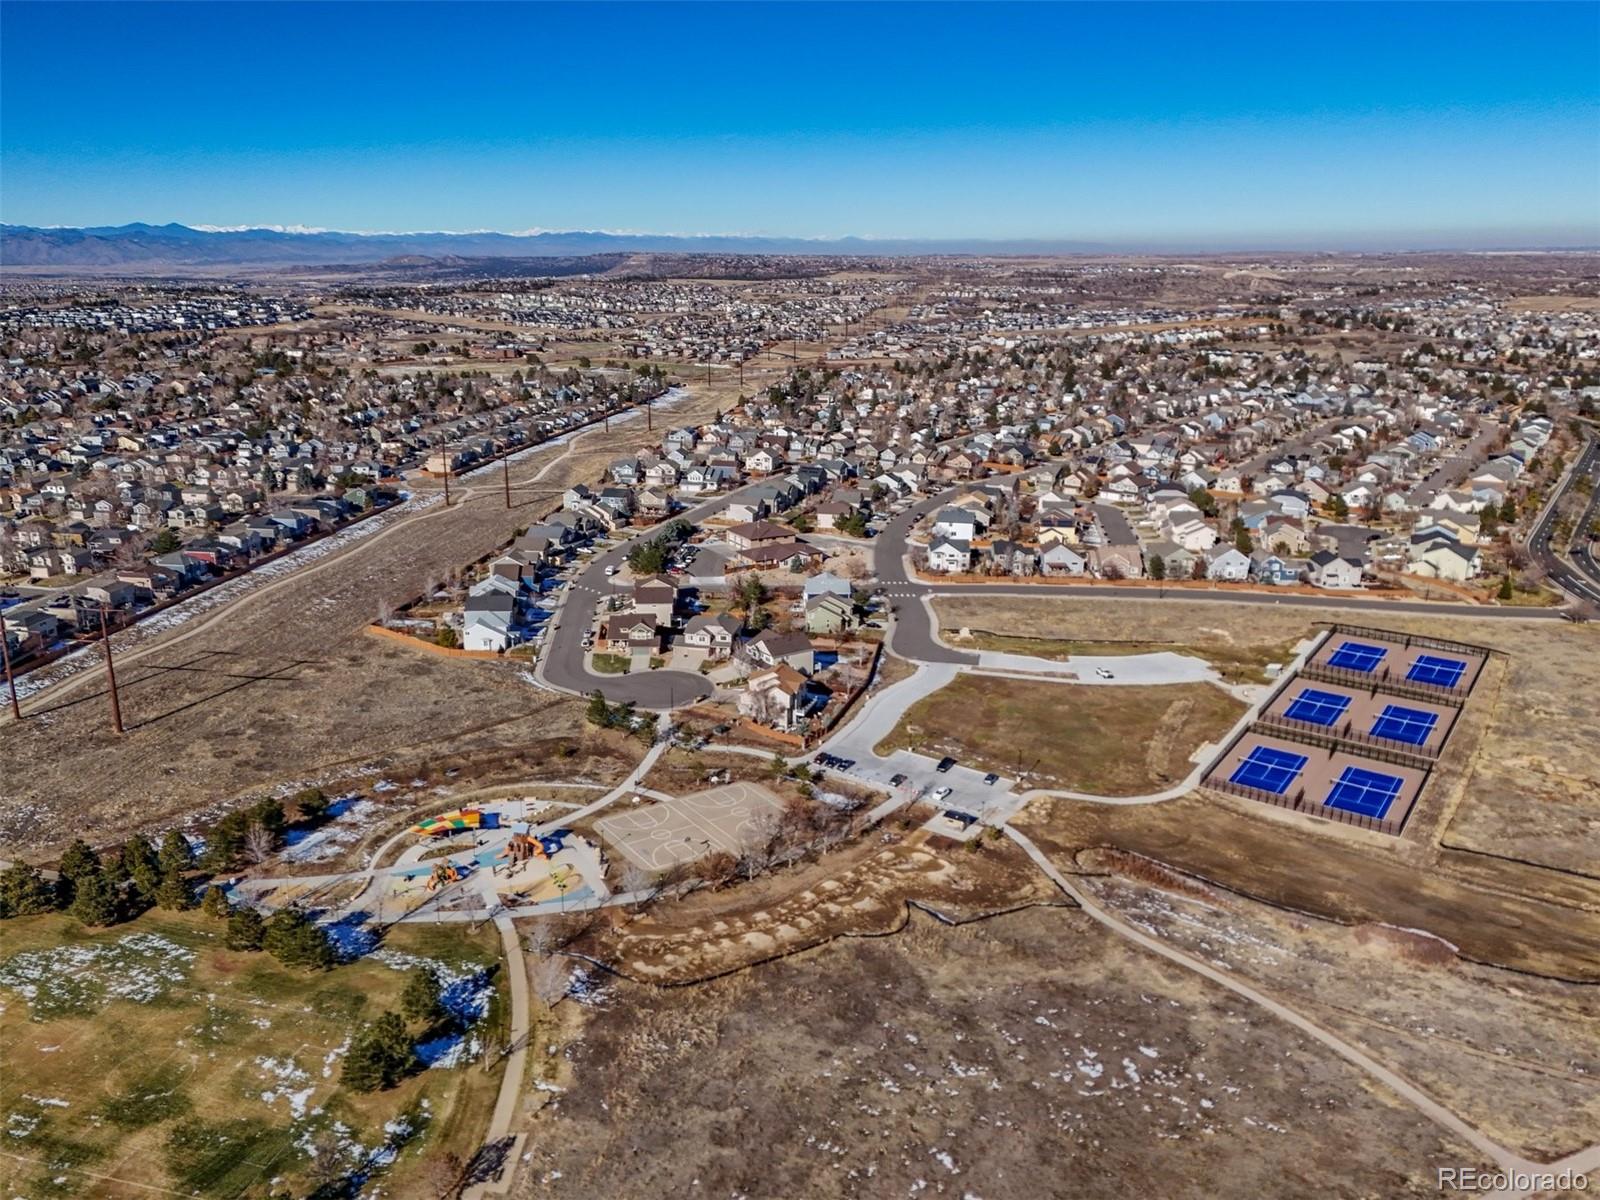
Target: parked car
column 896, row 780
column 944, row 766
column 941, row 794
column 613, row 569
column 1103, row 673
column 991, row 779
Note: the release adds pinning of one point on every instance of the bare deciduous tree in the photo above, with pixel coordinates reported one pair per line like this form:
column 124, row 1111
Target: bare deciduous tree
column 259, row 843
column 551, row 978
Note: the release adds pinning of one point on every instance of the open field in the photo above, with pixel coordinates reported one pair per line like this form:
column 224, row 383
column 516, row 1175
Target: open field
column 1113, row 741
column 1511, row 786
column 1344, row 875
column 1516, row 1056
column 1047, row 632
column 981, row 1061
column 148, row 1057
column 282, row 686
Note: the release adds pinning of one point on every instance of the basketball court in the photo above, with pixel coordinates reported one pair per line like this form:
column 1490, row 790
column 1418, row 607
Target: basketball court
column 687, row 828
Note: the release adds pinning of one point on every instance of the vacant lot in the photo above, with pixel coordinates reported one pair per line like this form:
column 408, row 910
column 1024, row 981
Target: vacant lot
column 1112, row 741
column 1516, row 1056
column 1048, row 631
column 148, row 1057
column 1027, row 1055
column 1315, row 868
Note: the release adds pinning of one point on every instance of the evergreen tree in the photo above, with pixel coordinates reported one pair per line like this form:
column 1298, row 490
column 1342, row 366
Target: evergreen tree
column 216, row 903
column 142, row 865
column 380, row 1056
column 1506, row 592
column 311, row 804
column 246, row 929
column 24, row 892
column 174, row 893
column 421, row 1000
column 78, row 860
column 176, row 857
column 294, row 939
column 1158, row 567
column 94, row 898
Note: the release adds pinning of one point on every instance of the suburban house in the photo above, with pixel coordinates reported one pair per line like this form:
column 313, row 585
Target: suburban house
column 949, row 557
column 829, row 614
column 632, row 631
column 757, row 533
column 1227, row 563
column 1329, row 570
column 655, row 596
column 780, row 697
column 1443, row 558
column 1062, row 559
column 770, row 647
column 714, row 634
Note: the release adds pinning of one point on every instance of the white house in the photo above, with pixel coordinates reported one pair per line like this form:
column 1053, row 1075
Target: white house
column 949, row 556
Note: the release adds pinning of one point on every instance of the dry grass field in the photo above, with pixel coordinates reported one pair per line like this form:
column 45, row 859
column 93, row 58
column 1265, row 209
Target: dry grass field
column 1110, row 741
column 1025, row 1055
column 147, row 1057
column 1516, row 1056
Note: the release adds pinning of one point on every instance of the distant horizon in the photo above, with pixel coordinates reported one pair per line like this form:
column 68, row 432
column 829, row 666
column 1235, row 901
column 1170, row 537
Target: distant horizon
column 1206, row 125
column 1442, row 241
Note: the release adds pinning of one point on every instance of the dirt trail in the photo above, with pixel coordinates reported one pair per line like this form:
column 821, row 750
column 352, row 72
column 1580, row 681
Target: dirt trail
column 1581, row 1162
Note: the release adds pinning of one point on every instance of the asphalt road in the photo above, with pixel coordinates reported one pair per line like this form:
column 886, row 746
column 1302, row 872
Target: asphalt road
column 1581, row 576
column 912, row 631
column 562, row 663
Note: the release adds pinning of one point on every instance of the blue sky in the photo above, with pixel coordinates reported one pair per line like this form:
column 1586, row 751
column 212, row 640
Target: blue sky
column 1202, row 125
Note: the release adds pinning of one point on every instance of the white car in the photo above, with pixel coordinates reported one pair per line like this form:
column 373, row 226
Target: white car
column 613, row 569
column 940, row 794
column 1103, row 673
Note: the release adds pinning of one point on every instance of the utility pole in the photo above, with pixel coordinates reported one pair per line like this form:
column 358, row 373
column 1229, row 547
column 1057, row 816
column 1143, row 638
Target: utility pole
column 447, row 474
column 505, row 476
column 11, row 684
column 111, row 673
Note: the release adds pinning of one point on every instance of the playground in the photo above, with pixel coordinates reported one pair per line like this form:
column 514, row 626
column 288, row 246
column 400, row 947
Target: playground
column 685, row 829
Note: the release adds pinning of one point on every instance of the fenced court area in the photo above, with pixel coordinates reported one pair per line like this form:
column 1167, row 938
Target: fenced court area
column 1354, row 735
column 727, row 818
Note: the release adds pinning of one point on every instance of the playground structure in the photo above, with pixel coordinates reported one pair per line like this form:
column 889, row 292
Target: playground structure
column 461, row 820
column 444, row 873
column 525, row 845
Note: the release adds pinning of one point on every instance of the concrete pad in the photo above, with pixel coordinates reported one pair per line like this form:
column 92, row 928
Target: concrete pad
column 687, row 828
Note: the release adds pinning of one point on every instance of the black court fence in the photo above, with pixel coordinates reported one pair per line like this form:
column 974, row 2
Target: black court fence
column 1373, row 682
column 1387, row 750
column 1425, row 642
column 1298, row 803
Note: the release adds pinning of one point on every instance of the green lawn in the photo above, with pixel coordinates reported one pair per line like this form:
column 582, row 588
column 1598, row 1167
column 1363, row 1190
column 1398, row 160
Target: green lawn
column 611, row 664
column 148, row 1054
